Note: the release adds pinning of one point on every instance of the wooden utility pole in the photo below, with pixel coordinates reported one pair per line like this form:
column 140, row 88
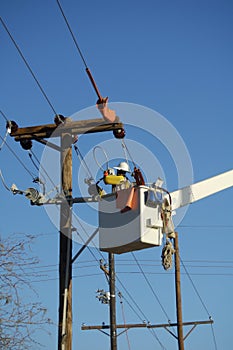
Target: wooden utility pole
column 65, row 263
column 178, row 294
column 112, row 305
column 64, row 131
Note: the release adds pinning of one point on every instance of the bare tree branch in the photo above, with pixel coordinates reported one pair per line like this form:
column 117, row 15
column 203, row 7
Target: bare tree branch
column 19, row 317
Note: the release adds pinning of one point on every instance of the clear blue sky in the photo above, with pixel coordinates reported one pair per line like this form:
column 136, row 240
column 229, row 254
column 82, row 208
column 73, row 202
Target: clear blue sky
column 174, row 57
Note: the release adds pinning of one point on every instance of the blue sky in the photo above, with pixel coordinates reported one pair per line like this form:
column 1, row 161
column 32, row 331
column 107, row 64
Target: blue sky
column 174, row 57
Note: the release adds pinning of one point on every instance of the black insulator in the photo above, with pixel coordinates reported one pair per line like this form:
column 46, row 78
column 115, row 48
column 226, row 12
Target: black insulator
column 119, row 133
column 26, row 144
column 12, row 125
column 59, row 119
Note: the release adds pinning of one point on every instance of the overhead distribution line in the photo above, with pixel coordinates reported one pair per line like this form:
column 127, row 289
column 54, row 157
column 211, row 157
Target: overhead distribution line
column 31, row 153
column 100, row 98
column 123, row 316
column 144, row 317
column 72, row 34
column 28, row 66
column 40, row 168
column 202, row 302
column 150, row 286
column 19, row 160
column 4, row 116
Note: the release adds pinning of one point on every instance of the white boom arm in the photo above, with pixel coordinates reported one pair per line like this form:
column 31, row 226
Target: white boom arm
column 202, row 189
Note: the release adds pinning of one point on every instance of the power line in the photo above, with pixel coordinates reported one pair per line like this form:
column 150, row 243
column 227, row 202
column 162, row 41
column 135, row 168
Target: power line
column 186, row 261
column 72, row 34
column 194, row 287
column 28, row 66
column 150, row 286
column 46, row 267
column 31, row 153
column 124, row 320
column 172, row 273
column 83, row 162
column 19, row 160
column 100, row 98
column 152, row 331
column 202, row 302
column 4, row 116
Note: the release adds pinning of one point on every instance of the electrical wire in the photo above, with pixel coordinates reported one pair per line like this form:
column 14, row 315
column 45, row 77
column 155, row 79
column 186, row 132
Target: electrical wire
column 4, row 116
column 3, row 181
column 214, row 337
column 46, row 267
column 19, row 160
column 72, row 34
column 7, row 130
column 125, row 148
column 172, row 273
column 126, row 156
column 194, row 287
column 150, row 286
column 27, row 65
column 201, row 300
column 124, row 320
column 4, row 140
column 151, row 330
column 83, row 162
column 32, row 153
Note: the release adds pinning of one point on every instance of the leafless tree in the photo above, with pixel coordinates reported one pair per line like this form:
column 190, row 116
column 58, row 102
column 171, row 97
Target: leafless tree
column 20, row 316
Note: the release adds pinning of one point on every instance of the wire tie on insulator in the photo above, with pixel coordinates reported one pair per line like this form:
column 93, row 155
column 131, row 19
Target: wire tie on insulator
column 59, row 119
column 11, row 126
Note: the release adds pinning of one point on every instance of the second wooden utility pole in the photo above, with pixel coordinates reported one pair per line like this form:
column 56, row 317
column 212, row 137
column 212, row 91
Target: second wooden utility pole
column 112, row 305
column 178, row 294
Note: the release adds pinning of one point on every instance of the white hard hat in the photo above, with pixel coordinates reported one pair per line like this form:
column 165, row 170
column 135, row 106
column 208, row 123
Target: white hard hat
column 123, row 166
